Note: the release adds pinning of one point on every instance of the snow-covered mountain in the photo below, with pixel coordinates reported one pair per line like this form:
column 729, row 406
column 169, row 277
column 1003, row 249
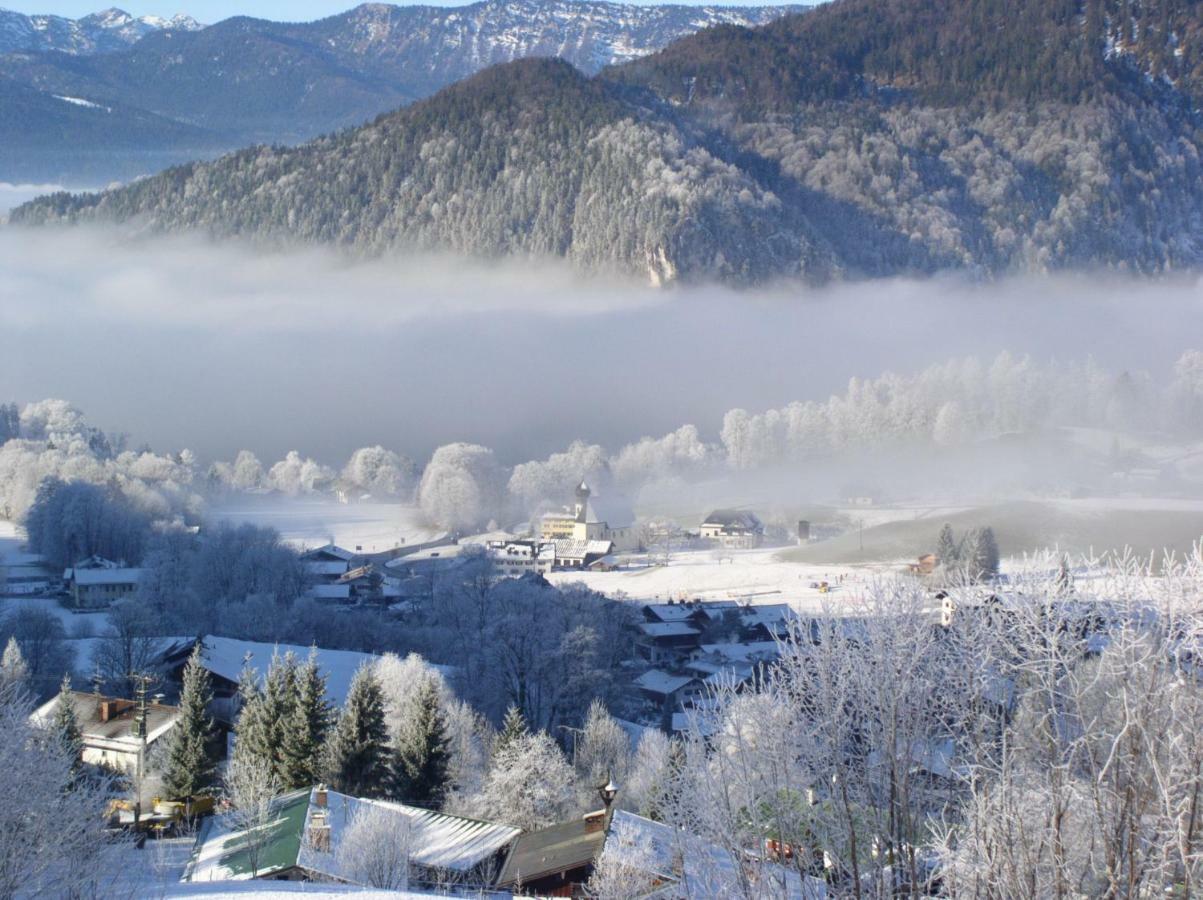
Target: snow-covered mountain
column 103, row 32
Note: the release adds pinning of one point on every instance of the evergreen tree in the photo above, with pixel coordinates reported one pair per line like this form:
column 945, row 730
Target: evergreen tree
column 512, row 728
column 357, row 753
column 306, row 728
column 422, row 759
column 948, row 551
column 279, row 702
column 189, row 767
column 65, row 725
column 985, row 557
column 251, row 741
column 263, row 723
column 14, row 673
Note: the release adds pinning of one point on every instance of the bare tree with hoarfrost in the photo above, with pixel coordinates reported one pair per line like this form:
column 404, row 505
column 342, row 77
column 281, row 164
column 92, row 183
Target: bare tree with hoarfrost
column 294, row 475
column 536, row 483
column 249, row 795
column 245, row 473
column 529, row 784
column 380, row 472
column 461, row 487
column 374, row 848
column 39, row 856
column 626, row 868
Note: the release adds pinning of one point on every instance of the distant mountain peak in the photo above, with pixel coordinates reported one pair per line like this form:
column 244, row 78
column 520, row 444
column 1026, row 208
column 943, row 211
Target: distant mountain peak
column 106, row 31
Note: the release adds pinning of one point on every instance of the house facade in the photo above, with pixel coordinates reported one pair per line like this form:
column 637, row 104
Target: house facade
column 96, row 582
column 733, row 528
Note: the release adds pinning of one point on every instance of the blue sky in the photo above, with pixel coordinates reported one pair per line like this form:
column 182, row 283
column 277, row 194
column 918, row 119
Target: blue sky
column 210, row 11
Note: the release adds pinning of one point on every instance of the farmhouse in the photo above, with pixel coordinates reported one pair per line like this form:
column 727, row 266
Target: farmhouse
column 733, row 528
column 307, row 827
column 109, row 726
column 96, row 582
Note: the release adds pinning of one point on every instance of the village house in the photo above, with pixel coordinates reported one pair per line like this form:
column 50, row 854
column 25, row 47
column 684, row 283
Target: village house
column 667, row 642
column 592, row 518
column 95, row 583
column 733, row 529
column 308, row 826
column 110, row 727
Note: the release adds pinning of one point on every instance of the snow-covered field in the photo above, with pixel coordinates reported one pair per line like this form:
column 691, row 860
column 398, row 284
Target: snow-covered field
column 371, row 527
column 752, row 576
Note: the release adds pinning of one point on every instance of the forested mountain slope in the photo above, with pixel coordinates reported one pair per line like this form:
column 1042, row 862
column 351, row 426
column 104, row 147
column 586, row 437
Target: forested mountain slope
column 866, row 137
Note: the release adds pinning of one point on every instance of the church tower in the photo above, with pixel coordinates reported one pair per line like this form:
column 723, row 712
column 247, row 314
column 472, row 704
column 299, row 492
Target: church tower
column 582, row 500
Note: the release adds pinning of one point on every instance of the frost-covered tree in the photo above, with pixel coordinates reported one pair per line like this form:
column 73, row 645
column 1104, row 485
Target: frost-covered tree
column 296, row 475
column 651, row 779
column 461, row 487
column 513, row 727
column 380, row 472
column 602, row 752
column 551, row 481
column 14, row 673
column 188, row 764
column 65, row 724
column 357, row 749
column 374, row 849
column 249, row 793
column 245, row 473
column 38, row 856
column 529, row 784
column 627, row 867
column 43, row 644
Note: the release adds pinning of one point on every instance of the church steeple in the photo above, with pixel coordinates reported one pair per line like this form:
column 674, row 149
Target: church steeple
column 582, row 500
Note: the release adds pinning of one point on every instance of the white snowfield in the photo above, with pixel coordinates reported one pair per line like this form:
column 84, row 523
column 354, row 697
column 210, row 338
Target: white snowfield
column 373, row 526
column 750, row 576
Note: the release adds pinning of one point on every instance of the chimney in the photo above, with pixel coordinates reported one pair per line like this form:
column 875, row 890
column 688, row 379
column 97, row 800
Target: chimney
column 319, row 832
column 321, row 797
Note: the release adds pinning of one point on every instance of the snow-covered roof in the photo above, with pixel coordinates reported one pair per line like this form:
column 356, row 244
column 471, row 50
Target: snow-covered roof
column 754, row 650
column 734, row 520
column 324, row 566
column 437, row 841
column 699, row 869
column 581, row 549
column 225, row 657
column 110, row 720
column 670, row 612
column 667, row 629
column 93, row 577
column 658, row 682
column 328, row 551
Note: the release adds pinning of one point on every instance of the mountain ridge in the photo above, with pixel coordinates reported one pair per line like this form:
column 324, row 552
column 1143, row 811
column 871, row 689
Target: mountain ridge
column 750, row 155
column 246, row 80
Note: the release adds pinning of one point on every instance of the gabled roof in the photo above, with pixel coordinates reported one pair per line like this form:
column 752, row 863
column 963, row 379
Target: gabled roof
column 700, row 869
column 225, row 657
column 734, row 519
column 670, row 612
column 93, row 577
column 667, row 629
column 437, row 841
column 118, row 725
column 324, row 566
column 328, row 551
column 581, row 549
column 220, row 853
column 657, row 682
column 560, row 848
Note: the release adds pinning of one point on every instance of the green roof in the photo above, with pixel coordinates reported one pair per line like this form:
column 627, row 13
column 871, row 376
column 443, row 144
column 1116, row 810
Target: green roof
column 221, row 853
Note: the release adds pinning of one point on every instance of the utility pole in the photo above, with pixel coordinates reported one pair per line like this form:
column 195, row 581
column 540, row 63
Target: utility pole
column 141, row 687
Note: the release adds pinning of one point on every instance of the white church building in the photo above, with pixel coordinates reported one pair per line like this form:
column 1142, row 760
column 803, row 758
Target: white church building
column 592, row 518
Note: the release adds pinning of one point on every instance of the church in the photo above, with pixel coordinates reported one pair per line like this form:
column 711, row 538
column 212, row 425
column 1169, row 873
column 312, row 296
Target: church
column 592, row 518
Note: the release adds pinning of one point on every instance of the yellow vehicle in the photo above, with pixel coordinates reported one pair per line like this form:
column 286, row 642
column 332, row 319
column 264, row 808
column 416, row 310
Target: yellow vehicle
column 162, row 815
